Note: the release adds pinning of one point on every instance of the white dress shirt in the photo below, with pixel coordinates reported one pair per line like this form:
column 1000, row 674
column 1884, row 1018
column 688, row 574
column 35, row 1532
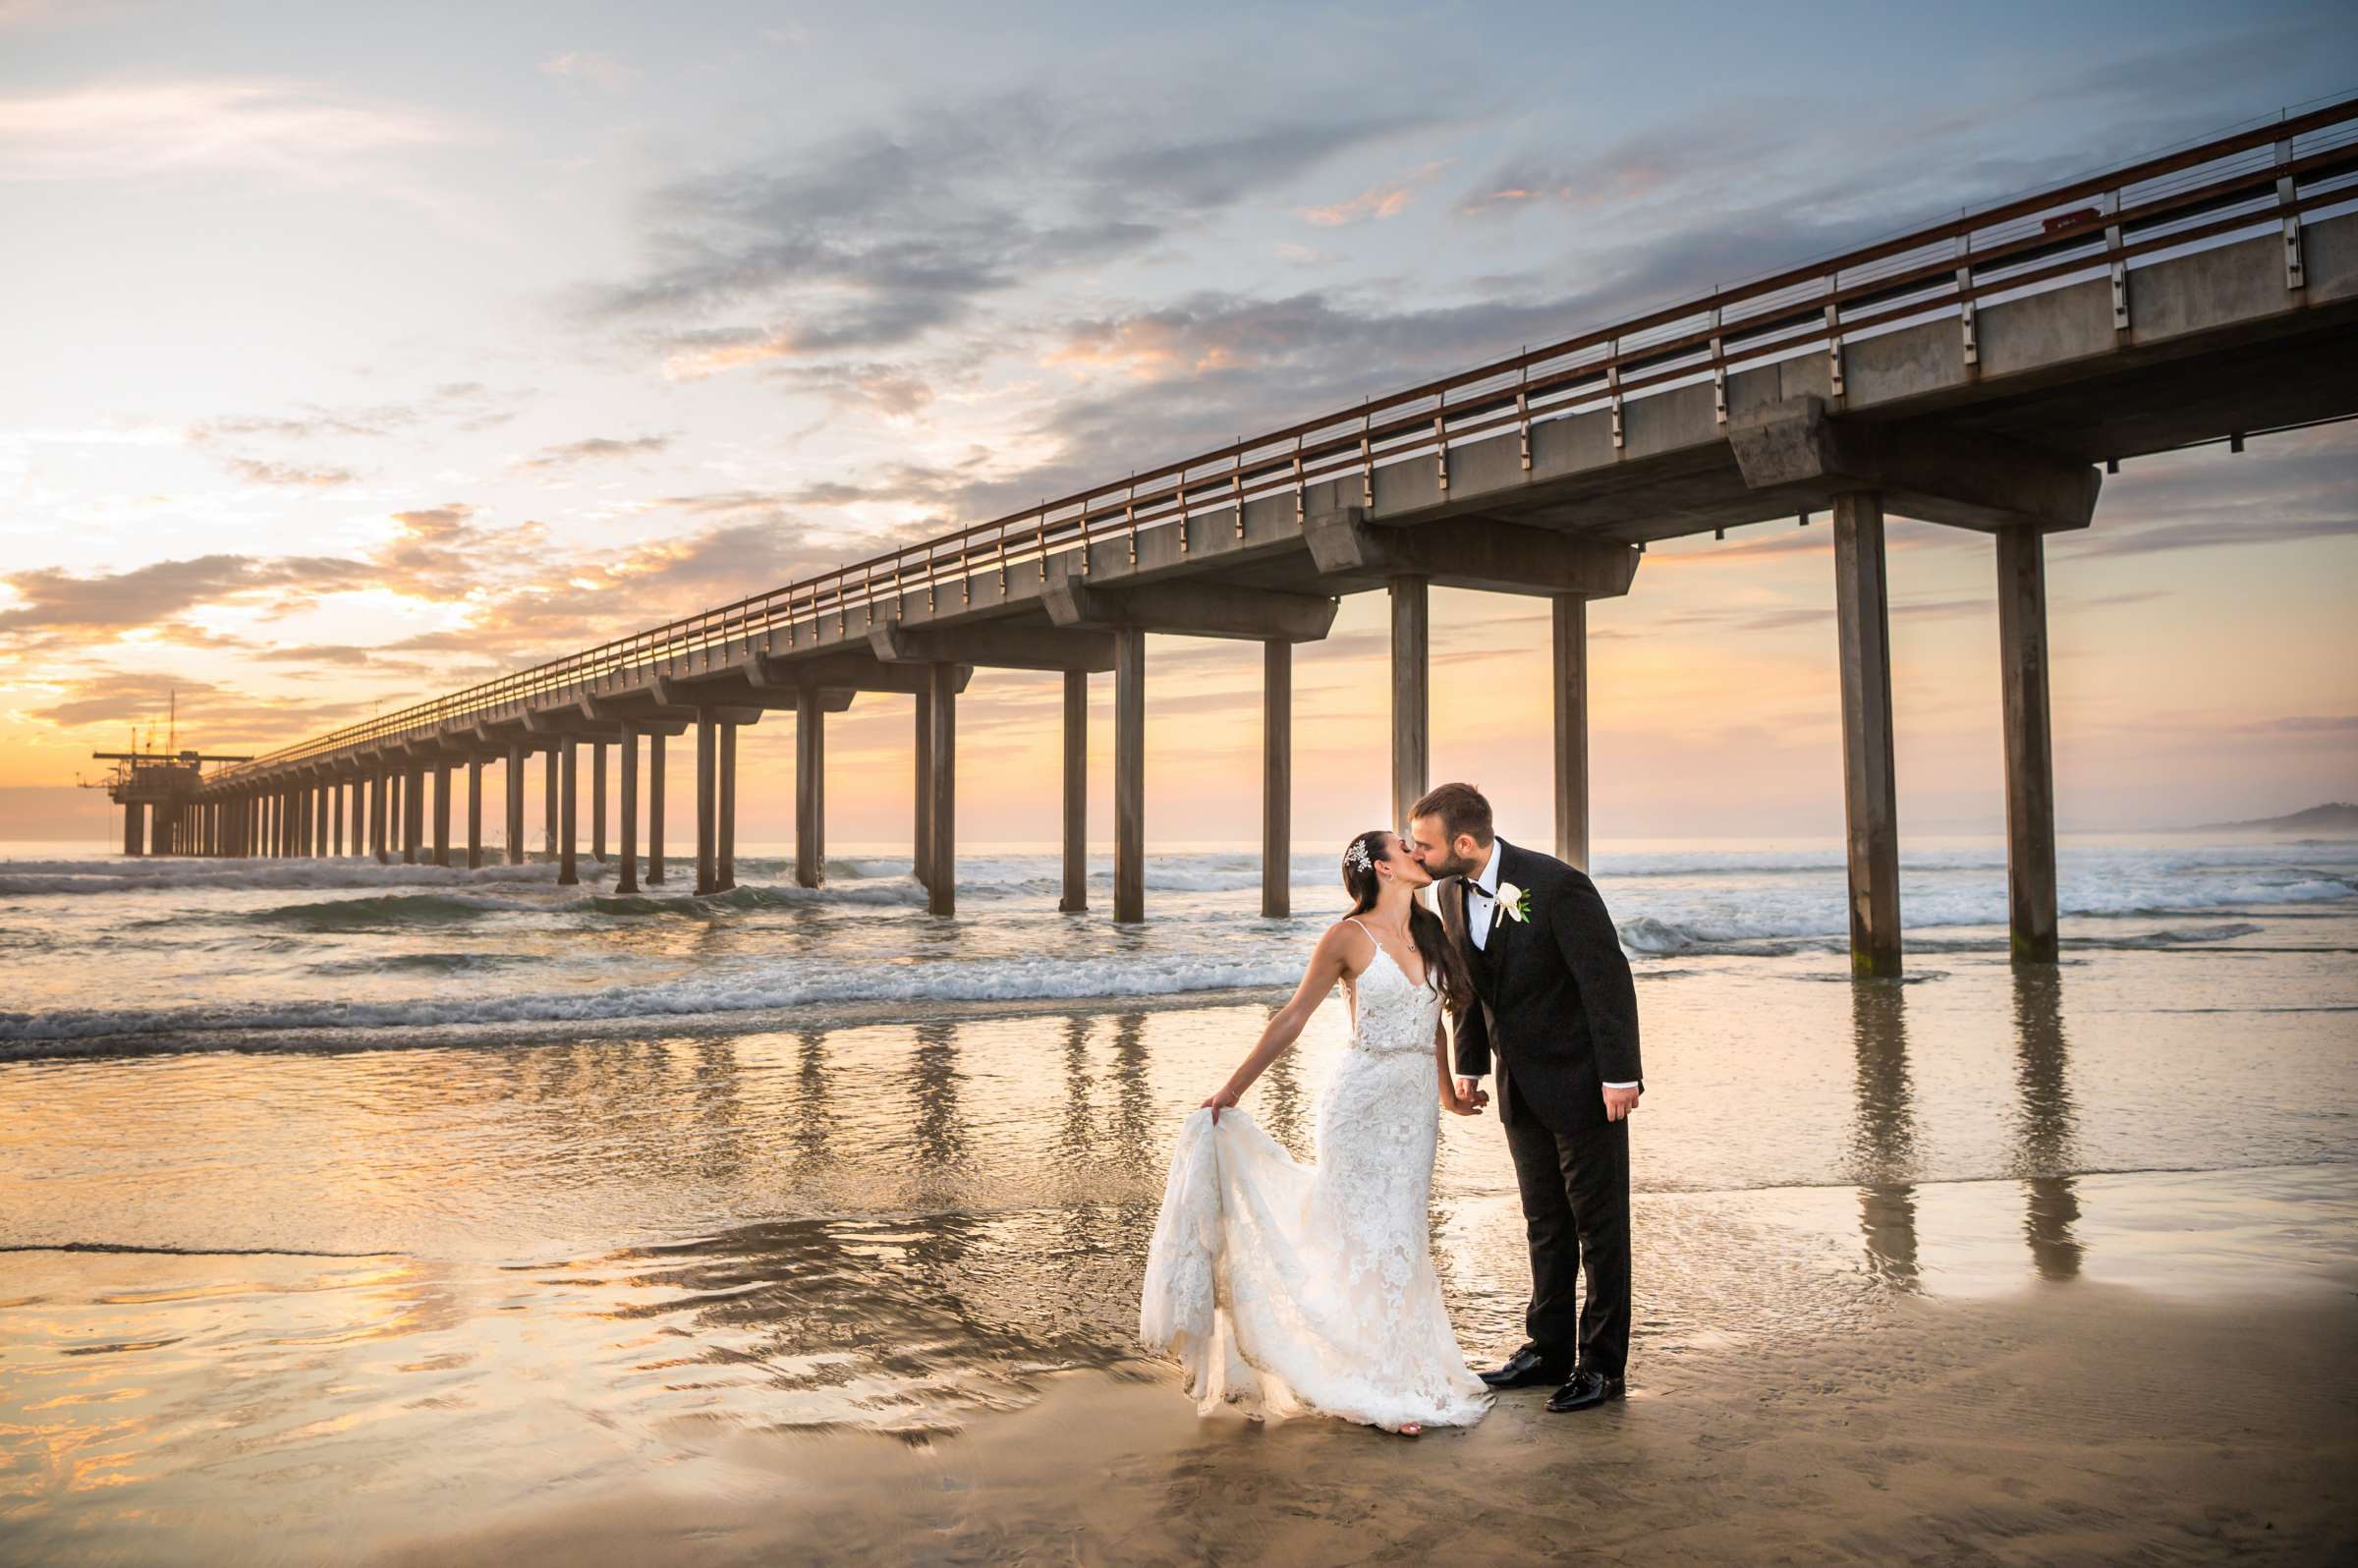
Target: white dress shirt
column 1482, row 910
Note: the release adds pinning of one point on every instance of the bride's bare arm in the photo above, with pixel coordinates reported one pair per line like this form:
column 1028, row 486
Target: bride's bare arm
column 1451, row 1100
column 1329, row 963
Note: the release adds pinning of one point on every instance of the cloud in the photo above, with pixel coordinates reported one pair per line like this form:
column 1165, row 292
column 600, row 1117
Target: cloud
column 465, row 405
column 595, row 447
column 54, row 600
column 289, row 474
column 213, row 715
column 126, row 131
column 1386, row 198
column 601, row 71
column 2207, row 533
column 877, row 237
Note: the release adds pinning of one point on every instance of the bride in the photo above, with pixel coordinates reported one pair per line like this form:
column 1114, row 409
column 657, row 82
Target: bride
column 1284, row 1287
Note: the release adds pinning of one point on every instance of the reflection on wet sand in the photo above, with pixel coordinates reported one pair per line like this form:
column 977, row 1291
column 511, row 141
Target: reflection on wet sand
column 1885, row 1153
column 2044, row 1137
column 1882, row 1142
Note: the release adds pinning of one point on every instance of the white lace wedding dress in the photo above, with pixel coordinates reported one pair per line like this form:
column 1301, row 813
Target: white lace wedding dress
column 1286, row 1288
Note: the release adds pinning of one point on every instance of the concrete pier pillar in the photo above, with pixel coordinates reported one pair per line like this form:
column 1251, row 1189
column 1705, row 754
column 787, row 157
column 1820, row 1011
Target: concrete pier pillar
column 569, row 813
column 377, row 815
column 335, row 817
column 413, row 815
column 941, row 814
column 550, row 768
column 1276, row 778
column 708, row 756
column 513, row 783
column 629, row 882
column 922, row 838
column 1074, row 897
column 359, row 838
column 724, row 854
column 323, row 819
column 1412, row 694
column 654, row 809
column 1870, row 788
column 443, row 813
column 810, row 789
column 1129, row 775
column 2030, row 750
column 134, row 840
column 474, row 812
column 597, row 802
column 391, row 845
column 1569, row 681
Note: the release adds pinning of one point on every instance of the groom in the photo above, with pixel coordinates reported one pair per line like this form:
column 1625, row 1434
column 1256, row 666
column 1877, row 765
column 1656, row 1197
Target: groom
column 1555, row 1005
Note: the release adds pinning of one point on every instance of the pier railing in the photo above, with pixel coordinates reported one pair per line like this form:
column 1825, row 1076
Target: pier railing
column 2209, row 192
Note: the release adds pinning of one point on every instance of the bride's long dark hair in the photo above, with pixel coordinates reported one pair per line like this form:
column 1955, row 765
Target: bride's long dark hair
column 1424, row 925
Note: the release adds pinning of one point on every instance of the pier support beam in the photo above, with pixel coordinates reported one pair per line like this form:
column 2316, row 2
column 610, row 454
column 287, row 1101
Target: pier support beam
column 550, row 767
column 922, row 836
column 2030, row 752
column 597, row 802
column 654, row 808
column 474, row 812
column 413, row 813
column 335, row 814
column 514, row 784
column 706, row 756
column 569, row 789
column 134, row 829
column 1076, row 792
column 629, row 882
column 1412, row 694
column 1569, row 681
column 1869, row 789
column 810, row 789
column 359, row 832
column 377, row 815
column 941, row 814
column 725, row 870
column 1277, row 779
column 1129, row 774
column 443, row 813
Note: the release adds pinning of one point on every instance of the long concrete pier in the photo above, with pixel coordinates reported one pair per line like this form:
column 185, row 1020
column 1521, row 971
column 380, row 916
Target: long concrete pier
column 1974, row 374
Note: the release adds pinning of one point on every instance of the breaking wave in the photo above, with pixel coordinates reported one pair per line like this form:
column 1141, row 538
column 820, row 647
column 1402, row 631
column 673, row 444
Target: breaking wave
column 745, row 992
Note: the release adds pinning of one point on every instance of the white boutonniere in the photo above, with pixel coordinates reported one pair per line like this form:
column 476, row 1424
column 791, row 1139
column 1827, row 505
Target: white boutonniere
column 1514, row 902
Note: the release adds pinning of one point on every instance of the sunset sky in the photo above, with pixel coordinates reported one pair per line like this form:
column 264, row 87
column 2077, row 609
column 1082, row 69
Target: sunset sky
column 355, row 354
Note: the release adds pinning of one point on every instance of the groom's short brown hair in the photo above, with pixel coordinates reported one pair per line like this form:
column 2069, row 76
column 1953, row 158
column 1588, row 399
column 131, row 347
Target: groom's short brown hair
column 1461, row 809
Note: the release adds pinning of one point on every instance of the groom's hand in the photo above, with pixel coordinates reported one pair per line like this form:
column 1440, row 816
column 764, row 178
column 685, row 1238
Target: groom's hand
column 1619, row 1102
column 1469, row 1091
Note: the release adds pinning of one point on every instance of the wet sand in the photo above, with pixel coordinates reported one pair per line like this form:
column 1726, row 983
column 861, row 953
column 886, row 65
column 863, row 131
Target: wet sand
column 2078, row 1423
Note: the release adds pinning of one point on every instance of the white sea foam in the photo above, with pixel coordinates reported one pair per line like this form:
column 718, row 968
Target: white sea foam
column 758, row 989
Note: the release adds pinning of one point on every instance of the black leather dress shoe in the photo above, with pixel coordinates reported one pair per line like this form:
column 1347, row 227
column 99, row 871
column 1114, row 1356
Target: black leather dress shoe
column 1584, row 1390
column 1525, row 1368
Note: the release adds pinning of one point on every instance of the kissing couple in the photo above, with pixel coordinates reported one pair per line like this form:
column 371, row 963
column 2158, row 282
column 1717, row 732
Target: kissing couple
column 1285, row 1288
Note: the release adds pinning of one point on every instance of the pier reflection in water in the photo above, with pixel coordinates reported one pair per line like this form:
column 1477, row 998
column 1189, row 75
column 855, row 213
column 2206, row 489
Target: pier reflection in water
column 1884, row 1155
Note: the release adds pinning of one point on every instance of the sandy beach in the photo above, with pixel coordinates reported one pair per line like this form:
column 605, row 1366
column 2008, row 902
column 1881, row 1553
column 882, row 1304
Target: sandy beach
column 2058, row 1426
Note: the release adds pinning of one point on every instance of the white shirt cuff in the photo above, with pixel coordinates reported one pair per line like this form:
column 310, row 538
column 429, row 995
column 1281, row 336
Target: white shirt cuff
column 1622, row 1086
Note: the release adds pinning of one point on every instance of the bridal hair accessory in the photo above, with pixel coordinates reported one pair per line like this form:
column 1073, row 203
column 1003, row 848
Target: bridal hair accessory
column 1356, row 856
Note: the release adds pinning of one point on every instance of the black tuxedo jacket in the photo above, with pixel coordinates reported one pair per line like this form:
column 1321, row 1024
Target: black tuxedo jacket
column 1555, row 1010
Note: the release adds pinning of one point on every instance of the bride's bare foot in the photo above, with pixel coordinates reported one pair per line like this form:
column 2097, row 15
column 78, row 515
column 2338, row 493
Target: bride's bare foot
column 1410, row 1429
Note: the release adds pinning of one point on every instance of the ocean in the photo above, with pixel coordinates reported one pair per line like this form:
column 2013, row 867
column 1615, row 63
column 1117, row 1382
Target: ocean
column 331, row 1193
